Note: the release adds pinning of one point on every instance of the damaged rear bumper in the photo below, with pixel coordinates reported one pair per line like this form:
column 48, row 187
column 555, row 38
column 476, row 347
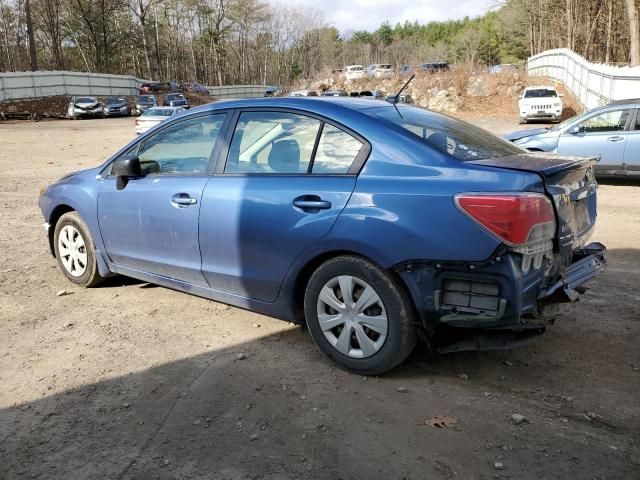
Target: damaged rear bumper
column 496, row 303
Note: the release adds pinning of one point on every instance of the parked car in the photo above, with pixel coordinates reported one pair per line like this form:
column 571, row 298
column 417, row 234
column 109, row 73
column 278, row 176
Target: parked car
column 149, row 87
column 335, row 93
column 376, row 225
column 271, row 91
column 196, row 88
column 354, row 72
column 303, row 93
column 540, row 103
column 144, row 102
column 503, row 68
column 434, row 67
column 406, row 70
column 153, row 116
column 611, row 132
column 176, row 100
column 380, row 70
column 116, row 107
column 80, row 107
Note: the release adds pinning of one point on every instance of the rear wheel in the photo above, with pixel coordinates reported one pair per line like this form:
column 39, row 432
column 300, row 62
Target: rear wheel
column 359, row 316
column 75, row 251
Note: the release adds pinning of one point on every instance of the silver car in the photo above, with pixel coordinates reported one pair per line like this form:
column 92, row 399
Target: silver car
column 612, row 132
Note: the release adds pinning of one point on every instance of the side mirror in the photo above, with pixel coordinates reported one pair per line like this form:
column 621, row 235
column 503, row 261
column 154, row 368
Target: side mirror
column 520, row 97
column 124, row 169
column 574, row 130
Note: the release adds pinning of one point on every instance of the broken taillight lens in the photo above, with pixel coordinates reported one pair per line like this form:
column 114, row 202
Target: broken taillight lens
column 516, row 218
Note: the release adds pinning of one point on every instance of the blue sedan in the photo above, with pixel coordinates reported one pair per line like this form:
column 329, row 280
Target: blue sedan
column 611, row 133
column 374, row 223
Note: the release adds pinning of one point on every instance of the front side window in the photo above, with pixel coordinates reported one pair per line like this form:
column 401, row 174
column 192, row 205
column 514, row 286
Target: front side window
column 272, row 142
column 183, row 148
column 638, row 120
column 459, row 139
column 613, row 121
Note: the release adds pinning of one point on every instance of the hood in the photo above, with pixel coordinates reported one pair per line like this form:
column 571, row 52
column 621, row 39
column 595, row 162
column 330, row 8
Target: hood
column 525, row 133
column 87, row 104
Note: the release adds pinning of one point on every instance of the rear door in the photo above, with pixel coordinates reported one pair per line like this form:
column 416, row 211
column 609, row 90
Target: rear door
column 286, row 178
column 603, row 134
column 632, row 148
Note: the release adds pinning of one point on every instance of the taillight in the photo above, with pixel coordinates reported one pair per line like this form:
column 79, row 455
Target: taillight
column 516, row 218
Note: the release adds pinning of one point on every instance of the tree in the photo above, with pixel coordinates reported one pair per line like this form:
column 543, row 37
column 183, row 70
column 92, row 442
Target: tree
column 634, row 33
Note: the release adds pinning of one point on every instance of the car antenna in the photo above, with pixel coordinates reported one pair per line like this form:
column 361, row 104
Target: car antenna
column 397, row 95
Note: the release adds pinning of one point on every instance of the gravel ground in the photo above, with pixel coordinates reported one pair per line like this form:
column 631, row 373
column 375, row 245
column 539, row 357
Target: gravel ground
column 130, row 380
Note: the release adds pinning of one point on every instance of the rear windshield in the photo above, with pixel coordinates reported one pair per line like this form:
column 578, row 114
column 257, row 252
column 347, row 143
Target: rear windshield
column 540, row 93
column 158, row 112
column 386, row 67
column 459, row 139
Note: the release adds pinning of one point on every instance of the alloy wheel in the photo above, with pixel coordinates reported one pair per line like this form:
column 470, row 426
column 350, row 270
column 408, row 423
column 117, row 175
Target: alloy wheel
column 352, row 316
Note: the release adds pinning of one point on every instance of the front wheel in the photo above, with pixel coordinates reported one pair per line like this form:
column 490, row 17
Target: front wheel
column 359, row 315
column 75, row 251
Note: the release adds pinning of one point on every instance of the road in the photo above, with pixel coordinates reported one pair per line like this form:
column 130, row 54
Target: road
column 130, row 380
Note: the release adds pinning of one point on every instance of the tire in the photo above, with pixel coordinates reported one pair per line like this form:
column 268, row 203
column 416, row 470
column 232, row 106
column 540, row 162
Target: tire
column 368, row 349
column 72, row 228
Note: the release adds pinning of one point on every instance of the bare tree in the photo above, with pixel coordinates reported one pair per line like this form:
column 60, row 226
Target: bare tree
column 634, row 33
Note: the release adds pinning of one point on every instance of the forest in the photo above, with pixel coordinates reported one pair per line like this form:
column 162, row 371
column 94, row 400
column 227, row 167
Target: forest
column 256, row 42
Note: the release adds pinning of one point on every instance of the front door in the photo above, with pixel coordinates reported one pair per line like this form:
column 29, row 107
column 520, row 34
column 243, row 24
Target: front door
column 286, row 179
column 152, row 224
column 602, row 134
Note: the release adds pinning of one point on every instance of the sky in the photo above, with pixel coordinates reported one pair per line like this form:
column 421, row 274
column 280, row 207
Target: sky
column 352, row 15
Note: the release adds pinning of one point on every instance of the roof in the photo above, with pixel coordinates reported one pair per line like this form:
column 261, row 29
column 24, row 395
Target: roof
column 319, row 103
column 628, row 101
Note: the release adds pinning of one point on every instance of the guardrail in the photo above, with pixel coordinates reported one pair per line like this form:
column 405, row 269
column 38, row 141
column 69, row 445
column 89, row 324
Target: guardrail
column 24, row 85
column 593, row 84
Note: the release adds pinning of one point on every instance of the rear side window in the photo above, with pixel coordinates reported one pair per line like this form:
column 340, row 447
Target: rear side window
column 638, row 120
column 336, row 151
column 289, row 143
column 459, row 139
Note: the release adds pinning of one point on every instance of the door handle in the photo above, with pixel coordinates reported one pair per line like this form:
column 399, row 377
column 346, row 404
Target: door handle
column 615, row 139
column 311, row 203
column 181, row 200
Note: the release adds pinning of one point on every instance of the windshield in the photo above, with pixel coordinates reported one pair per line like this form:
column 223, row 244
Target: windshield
column 540, row 93
column 86, row 100
column 356, row 68
column 459, row 139
column 146, row 99
column 385, row 67
column 115, row 100
column 158, row 112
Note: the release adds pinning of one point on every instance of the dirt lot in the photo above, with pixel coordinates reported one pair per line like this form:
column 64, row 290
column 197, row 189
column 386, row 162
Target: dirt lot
column 130, row 380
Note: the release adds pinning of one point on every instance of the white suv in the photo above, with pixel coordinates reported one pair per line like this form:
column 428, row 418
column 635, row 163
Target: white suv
column 354, row 72
column 540, row 103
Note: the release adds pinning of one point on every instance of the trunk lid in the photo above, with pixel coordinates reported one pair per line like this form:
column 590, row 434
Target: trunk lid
column 571, row 184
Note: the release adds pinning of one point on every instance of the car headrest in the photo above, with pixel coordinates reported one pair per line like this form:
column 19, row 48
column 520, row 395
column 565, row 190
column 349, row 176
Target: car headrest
column 285, row 156
column 438, row 141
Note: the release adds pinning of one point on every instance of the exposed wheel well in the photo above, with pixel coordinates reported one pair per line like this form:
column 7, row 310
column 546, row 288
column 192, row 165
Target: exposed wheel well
column 305, row 274
column 53, row 220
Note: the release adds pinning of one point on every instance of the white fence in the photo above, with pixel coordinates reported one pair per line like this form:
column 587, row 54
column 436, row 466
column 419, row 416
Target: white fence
column 593, row 84
column 21, row 85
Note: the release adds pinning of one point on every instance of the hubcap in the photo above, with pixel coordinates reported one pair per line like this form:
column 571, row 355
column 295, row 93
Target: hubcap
column 72, row 251
column 352, row 316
